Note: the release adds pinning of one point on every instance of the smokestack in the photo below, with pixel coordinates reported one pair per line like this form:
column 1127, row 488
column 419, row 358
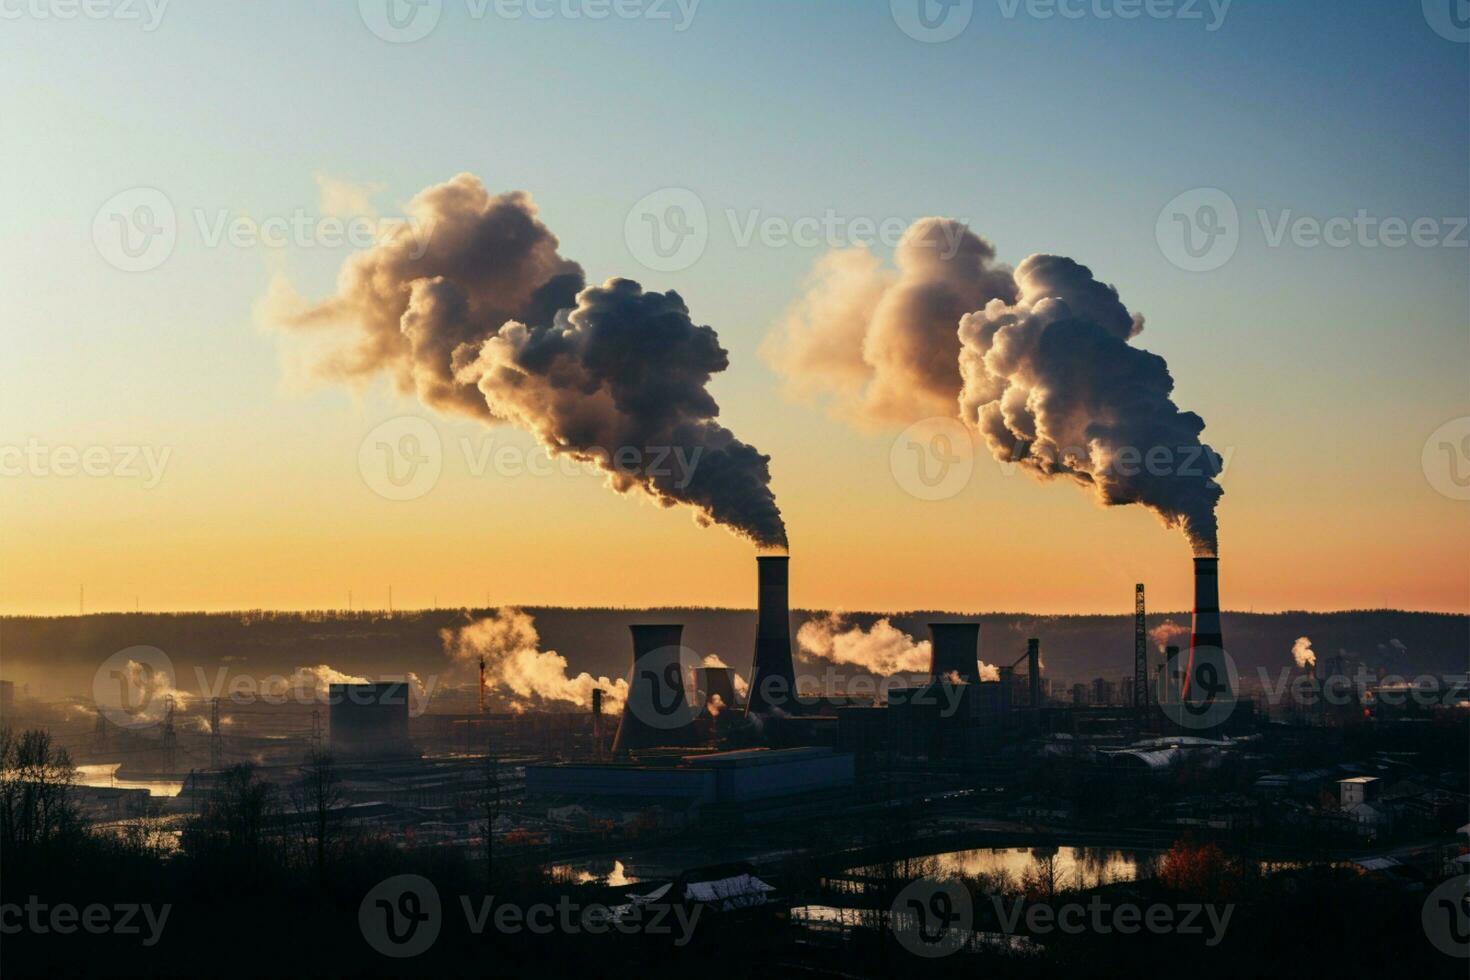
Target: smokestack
column 482, row 685
column 1206, row 646
column 773, row 678
column 657, row 711
column 597, row 723
column 956, row 648
column 1170, row 689
column 1033, row 664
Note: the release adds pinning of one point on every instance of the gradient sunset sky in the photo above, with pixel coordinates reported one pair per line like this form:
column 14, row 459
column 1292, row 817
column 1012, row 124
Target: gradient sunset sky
column 1320, row 371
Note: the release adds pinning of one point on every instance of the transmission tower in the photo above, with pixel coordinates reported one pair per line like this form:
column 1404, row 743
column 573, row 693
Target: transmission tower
column 170, row 736
column 1140, row 655
column 99, row 733
column 216, row 741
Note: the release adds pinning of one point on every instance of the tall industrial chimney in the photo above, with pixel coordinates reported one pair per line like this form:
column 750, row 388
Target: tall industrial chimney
column 1170, row 690
column 956, row 647
column 657, row 711
column 1033, row 664
column 772, row 676
column 1206, row 646
column 597, row 723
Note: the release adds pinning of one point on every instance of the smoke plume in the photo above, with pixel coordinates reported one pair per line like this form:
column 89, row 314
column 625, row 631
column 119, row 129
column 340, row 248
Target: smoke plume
column 1165, row 632
column 883, row 650
column 310, row 683
column 1053, row 384
column 741, row 685
column 1302, row 653
column 878, row 346
column 476, row 313
column 515, row 664
column 1039, row 362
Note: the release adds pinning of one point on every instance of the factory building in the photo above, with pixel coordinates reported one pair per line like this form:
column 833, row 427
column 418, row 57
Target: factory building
column 369, row 721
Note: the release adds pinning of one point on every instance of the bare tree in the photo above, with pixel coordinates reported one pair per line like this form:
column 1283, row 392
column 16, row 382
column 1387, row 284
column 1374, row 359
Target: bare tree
column 315, row 797
column 36, row 810
column 1043, row 879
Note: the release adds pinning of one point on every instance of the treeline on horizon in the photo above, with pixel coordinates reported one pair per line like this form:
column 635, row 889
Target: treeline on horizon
column 67, row 649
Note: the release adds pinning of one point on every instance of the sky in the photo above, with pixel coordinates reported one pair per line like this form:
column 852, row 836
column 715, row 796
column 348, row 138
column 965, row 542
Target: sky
column 1333, row 377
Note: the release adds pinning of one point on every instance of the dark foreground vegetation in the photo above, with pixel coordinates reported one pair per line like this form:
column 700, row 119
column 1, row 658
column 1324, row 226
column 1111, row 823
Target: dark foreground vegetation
column 264, row 882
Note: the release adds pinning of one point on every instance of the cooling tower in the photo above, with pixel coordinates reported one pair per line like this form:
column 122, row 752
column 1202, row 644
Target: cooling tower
column 717, row 682
column 657, row 711
column 772, row 676
column 956, row 647
column 1206, row 677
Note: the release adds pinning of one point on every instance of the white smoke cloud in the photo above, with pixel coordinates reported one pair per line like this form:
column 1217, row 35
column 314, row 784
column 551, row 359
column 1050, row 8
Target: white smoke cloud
column 150, row 689
column 883, row 650
column 311, row 683
column 475, row 311
column 1053, row 384
column 1166, row 632
column 1039, row 361
column 515, row 664
column 1303, row 654
column 878, row 346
